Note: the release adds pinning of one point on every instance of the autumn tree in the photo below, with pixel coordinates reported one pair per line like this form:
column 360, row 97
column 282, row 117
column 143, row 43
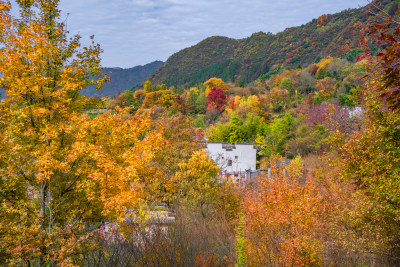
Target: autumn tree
column 286, row 84
column 147, row 87
column 61, row 172
column 183, row 141
column 233, row 103
column 215, row 82
column 326, row 88
column 323, row 65
column 369, row 160
column 278, row 98
column 164, row 98
column 139, row 96
column 198, row 179
column 237, row 130
column 283, row 218
column 387, row 36
column 130, row 100
column 119, row 101
column 216, row 99
column 252, row 105
column 200, row 105
column 193, row 95
column 322, row 20
column 181, row 104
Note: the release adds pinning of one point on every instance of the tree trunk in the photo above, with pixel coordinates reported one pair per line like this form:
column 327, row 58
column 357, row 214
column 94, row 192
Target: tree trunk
column 43, row 248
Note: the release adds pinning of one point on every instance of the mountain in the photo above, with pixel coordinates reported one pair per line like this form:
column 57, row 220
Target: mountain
column 121, row 79
column 124, row 79
column 244, row 60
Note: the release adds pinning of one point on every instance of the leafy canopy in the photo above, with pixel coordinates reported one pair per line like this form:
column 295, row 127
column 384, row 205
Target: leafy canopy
column 61, row 172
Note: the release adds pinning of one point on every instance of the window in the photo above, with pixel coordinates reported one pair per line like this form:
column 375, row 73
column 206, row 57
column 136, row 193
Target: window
column 229, row 162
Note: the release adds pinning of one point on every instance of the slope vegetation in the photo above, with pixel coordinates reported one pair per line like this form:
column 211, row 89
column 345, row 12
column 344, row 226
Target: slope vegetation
column 245, row 60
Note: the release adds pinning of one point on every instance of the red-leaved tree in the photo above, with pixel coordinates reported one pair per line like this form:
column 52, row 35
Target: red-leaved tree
column 387, row 36
column 216, row 99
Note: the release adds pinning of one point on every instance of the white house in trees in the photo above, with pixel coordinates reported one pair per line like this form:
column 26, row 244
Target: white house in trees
column 235, row 160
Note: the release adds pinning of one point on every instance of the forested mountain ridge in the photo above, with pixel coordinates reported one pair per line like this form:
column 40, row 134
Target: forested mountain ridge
column 244, row 60
column 123, row 79
column 192, row 61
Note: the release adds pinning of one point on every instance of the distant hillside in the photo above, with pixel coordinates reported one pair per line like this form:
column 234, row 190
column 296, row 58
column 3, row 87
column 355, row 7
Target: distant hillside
column 124, row 79
column 245, row 60
column 121, row 79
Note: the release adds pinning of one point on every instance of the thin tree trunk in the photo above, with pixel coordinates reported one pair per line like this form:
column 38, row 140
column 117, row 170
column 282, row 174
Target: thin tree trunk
column 43, row 249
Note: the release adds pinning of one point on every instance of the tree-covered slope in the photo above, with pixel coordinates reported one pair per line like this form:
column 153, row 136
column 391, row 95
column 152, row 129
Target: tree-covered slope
column 190, row 64
column 245, row 60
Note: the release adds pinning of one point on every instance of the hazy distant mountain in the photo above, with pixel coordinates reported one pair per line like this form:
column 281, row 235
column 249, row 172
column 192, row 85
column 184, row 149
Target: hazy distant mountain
column 124, row 79
column 121, row 79
column 244, row 60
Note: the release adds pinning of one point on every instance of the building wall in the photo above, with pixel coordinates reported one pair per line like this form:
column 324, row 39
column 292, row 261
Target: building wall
column 242, row 156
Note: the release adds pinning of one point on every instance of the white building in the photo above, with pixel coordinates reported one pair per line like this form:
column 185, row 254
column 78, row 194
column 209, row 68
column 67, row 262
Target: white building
column 237, row 160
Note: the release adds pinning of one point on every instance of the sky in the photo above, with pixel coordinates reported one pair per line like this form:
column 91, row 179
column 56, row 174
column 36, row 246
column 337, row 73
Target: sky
column 137, row 32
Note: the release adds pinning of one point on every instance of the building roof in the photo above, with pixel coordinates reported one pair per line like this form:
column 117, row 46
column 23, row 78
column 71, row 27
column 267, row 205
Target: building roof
column 230, row 147
column 248, row 143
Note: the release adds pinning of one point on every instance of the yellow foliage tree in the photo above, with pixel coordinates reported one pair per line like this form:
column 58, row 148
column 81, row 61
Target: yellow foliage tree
column 278, row 97
column 159, row 175
column 139, row 96
column 215, row 82
column 61, row 172
column 325, row 63
column 198, row 179
column 147, row 87
column 194, row 90
column 326, row 87
column 252, row 105
column 164, row 98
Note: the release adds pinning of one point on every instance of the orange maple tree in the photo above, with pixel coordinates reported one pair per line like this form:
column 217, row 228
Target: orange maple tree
column 283, row 219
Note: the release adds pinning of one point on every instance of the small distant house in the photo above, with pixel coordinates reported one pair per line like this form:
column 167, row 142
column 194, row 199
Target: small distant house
column 237, row 161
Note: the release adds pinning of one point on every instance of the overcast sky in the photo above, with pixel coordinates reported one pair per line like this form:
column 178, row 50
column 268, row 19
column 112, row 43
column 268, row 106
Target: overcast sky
column 137, row 32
